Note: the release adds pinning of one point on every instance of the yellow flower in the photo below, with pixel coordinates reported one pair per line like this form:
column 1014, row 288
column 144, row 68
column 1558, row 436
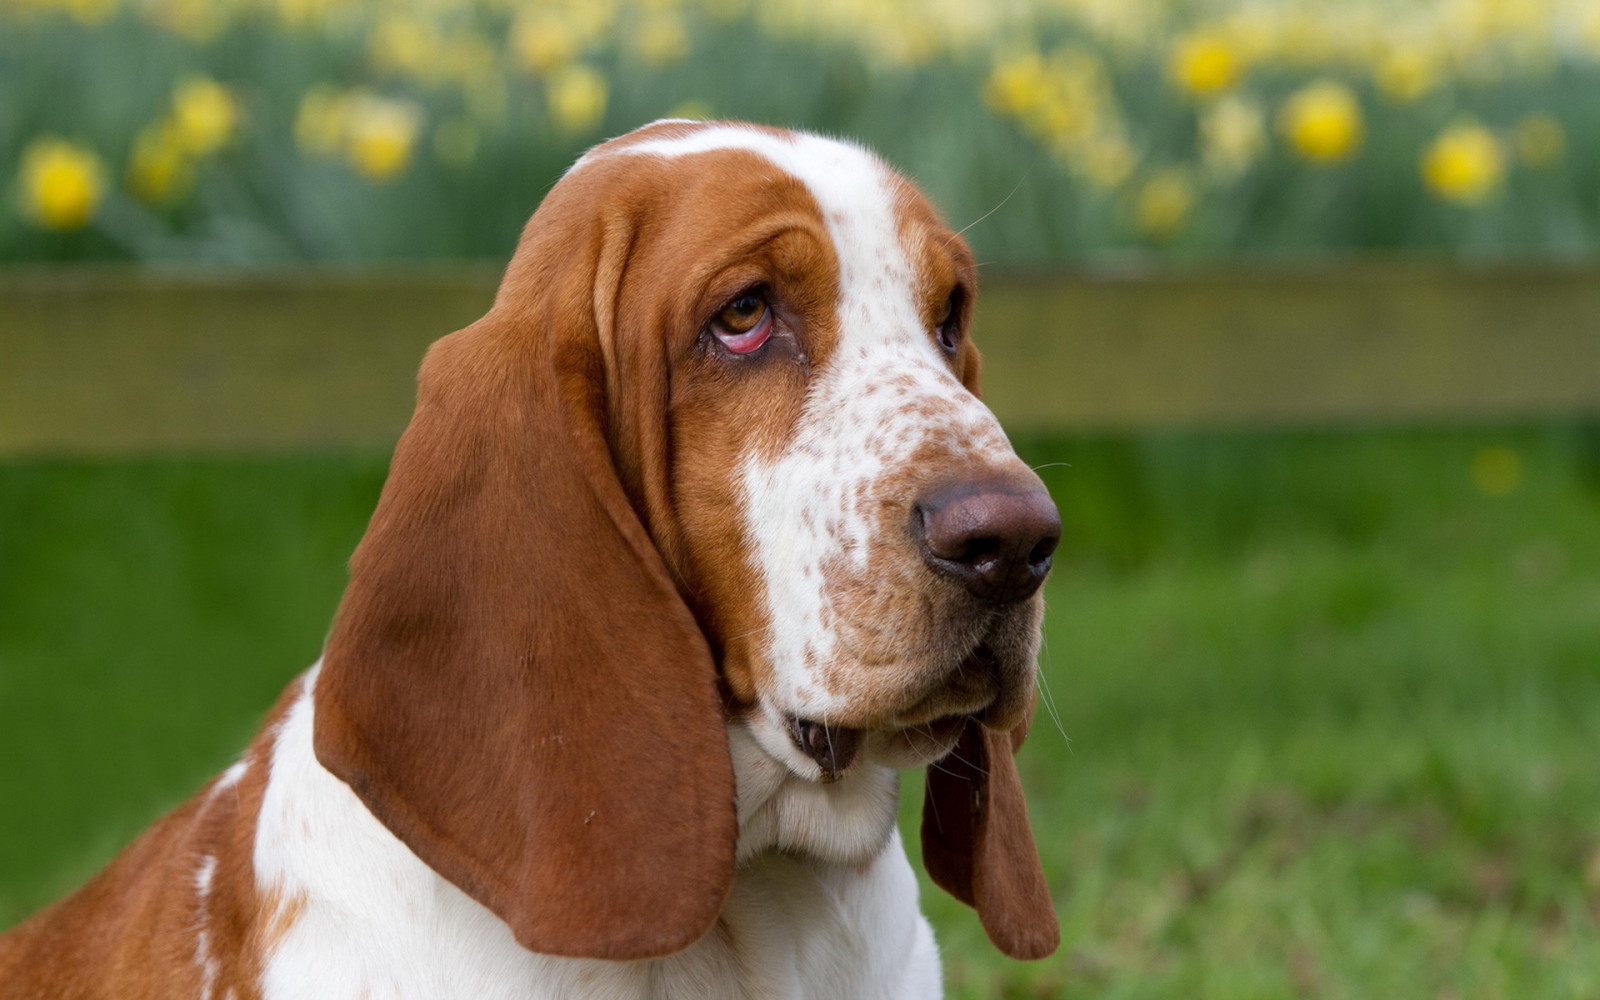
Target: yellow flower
column 92, row 12
column 912, row 42
column 1496, row 471
column 1069, row 109
column 204, row 115
column 1164, row 203
column 471, row 61
column 303, row 13
column 380, row 134
column 1106, row 160
column 1064, row 118
column 401, row 43
column 196, row 20
column 1233, row 135
column 543, row 40
column 577, row 98
column 1204, row 64
column 661, row 39
column 61, row 183
column 590, row 20
column 1016, row 84
column 1589, row 30
column 1464, row 164
column 1406, row 73
column 1323, row 122
column 1252, row 30
column 319, row 122
column 1060, row 101
column 1540, row 139
column 160, row 171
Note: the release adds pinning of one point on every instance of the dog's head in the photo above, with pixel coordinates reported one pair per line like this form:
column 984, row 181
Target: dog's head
column 715, row 453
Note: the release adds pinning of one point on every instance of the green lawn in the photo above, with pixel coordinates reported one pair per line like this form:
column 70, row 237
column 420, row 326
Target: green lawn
column 1333, row 709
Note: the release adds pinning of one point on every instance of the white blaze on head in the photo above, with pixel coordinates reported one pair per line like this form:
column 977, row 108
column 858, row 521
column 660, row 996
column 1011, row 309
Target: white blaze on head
column 885, row 390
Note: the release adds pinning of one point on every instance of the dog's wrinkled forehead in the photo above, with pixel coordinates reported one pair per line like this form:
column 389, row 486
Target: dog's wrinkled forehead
column 857, row 195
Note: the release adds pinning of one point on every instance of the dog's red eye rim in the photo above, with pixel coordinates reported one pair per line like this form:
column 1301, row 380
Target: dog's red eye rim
column 744, row 324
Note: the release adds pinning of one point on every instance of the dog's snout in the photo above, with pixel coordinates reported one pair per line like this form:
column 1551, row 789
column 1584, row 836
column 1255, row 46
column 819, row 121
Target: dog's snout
column 995, row 536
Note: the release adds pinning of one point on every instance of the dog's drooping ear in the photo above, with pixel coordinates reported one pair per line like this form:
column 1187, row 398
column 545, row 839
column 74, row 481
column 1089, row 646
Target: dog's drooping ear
column 513, row 685
column 978, row 846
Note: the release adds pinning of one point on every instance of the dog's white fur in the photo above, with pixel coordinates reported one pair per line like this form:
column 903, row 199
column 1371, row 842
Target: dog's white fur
column 824, row 904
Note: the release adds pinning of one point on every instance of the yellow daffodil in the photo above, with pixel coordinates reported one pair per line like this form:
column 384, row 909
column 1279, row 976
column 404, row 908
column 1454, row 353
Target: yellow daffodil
column 1406, row 73
column 61, row 183
column 472, row 61
column 1205, row 64
column 204, row 115
column 1073, row 102
column 1323, row 122
column 1163, row 205
column 1016, row 84
column 198, row 21
column 1465, row 164
column 577, row 98
column 380, row 133
column 1233, row 135
column 1106, row 160
column 1540, row 139
column 589, row 20
column 1589, row 30
column 160, row 170
column 401, row 43
column 1252, row 31
column 544, row 40
column 661, row 39
column 319, row 122
column 1064, row 118
column 303, row 13
column 91, row 12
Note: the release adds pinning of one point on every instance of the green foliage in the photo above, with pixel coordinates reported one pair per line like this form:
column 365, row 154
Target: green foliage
column 1317, row 719
column 1079, row 126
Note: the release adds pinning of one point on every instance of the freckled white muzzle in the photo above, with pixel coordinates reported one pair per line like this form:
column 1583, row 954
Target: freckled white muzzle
column 873, row 626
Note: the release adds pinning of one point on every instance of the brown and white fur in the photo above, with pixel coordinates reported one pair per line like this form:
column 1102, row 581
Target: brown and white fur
column 556, row 745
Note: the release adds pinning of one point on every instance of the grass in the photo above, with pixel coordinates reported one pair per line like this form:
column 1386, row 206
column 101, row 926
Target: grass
column 1331, row 707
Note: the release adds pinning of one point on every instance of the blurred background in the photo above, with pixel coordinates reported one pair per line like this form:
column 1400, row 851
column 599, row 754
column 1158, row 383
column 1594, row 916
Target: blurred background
column 1295, row 305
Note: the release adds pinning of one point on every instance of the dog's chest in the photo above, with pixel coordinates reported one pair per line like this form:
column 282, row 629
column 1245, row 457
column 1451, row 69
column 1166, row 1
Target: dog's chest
column 366, row 918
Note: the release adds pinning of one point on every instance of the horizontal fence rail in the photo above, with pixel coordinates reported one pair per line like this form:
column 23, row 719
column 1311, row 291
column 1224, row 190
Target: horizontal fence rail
column 126, row 362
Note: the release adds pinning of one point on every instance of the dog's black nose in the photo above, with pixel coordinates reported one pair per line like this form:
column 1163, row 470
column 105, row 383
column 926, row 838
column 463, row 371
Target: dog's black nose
column 994, row 535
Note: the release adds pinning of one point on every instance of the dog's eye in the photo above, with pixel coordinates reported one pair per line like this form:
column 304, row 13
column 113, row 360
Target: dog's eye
column 744, row 324
column 947, row 325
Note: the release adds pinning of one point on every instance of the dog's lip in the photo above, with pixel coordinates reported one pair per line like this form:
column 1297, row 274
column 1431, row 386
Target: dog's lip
column 835, row 749
column 832, row 748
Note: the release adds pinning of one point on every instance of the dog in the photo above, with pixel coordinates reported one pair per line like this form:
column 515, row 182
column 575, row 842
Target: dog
column 694, row 540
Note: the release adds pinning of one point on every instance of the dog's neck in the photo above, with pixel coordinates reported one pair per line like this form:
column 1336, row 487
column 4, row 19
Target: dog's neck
column 815, row 862
column 846, row 822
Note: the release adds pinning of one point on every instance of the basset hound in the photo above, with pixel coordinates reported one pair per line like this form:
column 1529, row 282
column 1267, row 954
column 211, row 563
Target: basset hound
column 693, row 541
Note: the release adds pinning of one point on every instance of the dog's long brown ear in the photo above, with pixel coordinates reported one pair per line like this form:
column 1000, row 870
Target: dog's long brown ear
column 513, row 685
column 978, row 846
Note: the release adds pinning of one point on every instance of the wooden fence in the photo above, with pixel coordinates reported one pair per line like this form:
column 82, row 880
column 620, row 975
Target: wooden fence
column 123, row 362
